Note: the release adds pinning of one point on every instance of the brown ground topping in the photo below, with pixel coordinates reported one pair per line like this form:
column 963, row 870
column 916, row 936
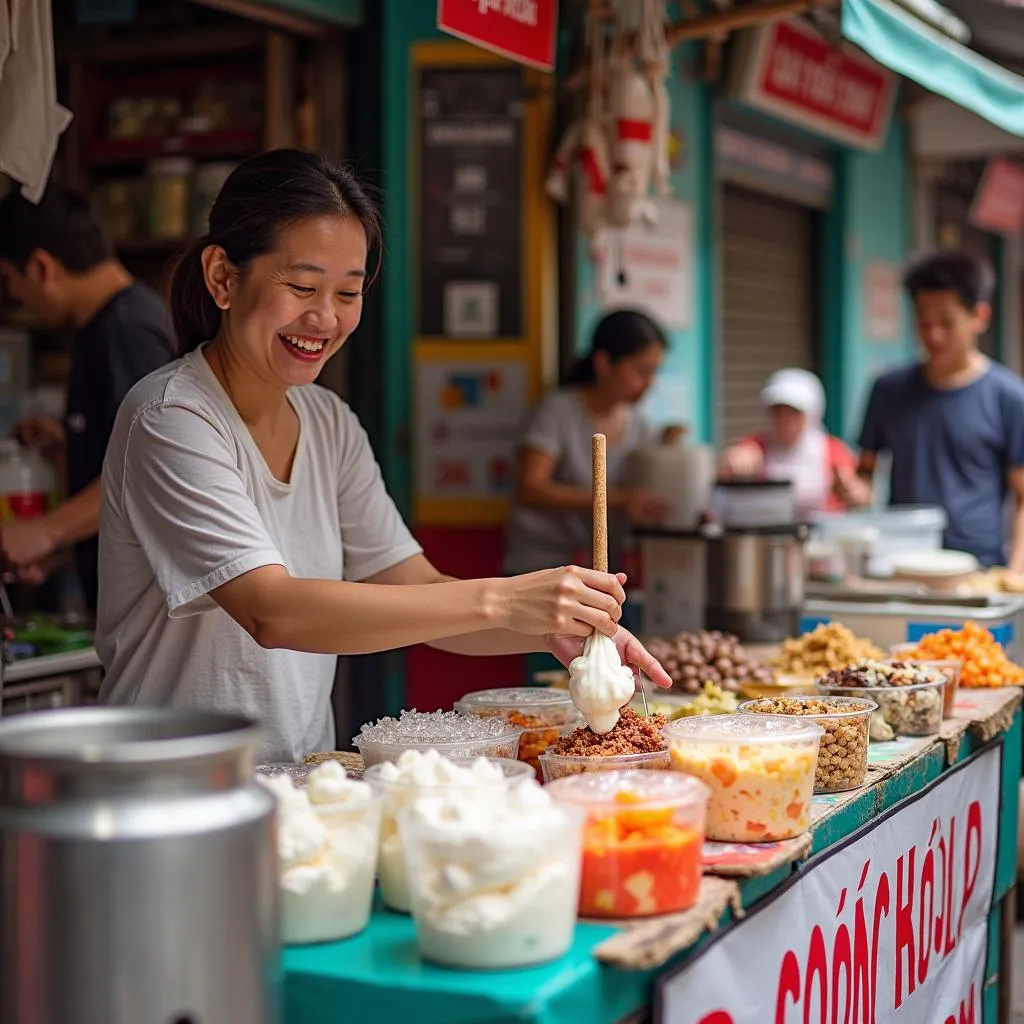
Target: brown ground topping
column 633, row 734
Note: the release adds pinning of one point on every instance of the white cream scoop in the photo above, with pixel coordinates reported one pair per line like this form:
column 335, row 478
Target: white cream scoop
column 599, row 683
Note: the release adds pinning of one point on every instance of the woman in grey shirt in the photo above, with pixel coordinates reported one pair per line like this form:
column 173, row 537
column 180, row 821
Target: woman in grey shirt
column 550, row 520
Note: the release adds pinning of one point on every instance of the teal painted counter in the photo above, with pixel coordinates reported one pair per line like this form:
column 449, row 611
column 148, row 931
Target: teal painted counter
column 378, row 977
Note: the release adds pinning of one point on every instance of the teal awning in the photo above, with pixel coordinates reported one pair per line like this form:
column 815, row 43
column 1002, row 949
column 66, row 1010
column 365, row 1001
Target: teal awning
column 908, row 46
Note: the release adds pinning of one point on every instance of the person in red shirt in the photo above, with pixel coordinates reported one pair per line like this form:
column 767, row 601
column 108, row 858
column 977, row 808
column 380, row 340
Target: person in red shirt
column 796, row 446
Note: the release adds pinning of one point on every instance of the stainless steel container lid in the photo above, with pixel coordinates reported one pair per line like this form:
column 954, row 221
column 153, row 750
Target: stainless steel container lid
column 50, row 755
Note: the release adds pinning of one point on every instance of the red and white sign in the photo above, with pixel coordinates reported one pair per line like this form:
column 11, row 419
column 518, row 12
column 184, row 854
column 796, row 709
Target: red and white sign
column 882, row 301
column 790, row 71
column 650, row 267
column 523, row 30
column 999, row 203
column 892, row 927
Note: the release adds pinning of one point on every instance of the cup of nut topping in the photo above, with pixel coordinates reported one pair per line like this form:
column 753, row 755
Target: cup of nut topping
column 843, row 752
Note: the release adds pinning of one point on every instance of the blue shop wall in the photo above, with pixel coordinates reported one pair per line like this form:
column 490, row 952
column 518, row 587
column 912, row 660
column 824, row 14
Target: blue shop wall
column 874, row 210
column 683, row 393
column 870, row 221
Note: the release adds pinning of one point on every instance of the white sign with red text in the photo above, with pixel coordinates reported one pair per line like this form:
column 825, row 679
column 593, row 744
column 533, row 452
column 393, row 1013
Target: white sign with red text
column 788, row 70
column 890, row 927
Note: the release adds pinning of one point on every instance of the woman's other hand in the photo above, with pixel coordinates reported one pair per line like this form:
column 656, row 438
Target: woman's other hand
column 742, row 460
column 632, row 652
column 645, row 507
column 569, row 601
column 852, row 490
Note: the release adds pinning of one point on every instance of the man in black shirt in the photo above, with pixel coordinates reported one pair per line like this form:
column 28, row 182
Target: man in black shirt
column 58, row 262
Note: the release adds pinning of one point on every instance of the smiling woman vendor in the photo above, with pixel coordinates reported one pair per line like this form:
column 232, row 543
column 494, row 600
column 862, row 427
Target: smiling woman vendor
column 246, row 535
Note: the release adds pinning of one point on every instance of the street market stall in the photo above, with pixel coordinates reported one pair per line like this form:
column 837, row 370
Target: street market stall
column 899, row 897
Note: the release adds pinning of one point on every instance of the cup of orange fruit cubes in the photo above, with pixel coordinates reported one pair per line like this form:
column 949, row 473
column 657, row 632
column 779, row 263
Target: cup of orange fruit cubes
column 643, row 840
column 983, row 660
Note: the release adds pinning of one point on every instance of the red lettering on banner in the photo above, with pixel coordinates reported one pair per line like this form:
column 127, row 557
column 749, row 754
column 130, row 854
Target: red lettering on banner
column 789, row 985
column 926, row 909
column 971, row 866
column 842, row 960
column 967, row 1009
column 951, row 938
column 905, row 926
column 817, row 968
column 721, row 1017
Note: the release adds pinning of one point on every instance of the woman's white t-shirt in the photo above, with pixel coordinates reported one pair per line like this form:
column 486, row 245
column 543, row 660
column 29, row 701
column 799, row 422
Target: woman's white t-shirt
column 189, row 504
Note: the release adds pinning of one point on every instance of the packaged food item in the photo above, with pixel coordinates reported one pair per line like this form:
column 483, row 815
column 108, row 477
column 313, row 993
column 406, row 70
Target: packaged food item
column 843, row 753
column 983, row 659
column 327, row 837
column 951, row 668
column 415, row 774
column 643, row 840
column 830, row 645
column 908, row 694
column 635, row 742
column 695, row 659
column 759, row 768
column 996, row 580
column 543, row 715
column 494, row 880
column 447, row 732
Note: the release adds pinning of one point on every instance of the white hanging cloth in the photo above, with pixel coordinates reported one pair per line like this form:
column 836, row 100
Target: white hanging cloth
column 31, row 119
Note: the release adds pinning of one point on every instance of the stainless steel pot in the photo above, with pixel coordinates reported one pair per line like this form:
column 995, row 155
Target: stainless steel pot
column 755, row 582
column 137, row 870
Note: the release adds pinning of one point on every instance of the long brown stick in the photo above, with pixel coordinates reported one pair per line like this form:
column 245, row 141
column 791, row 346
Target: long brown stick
column 600, row 486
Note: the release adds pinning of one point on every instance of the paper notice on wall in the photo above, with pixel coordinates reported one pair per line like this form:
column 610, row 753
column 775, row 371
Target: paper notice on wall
column 882, row 299
column 650, row 268
column 469, row 416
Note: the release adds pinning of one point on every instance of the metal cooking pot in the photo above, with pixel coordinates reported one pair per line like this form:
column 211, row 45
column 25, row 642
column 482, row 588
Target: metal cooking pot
column 137, row 870
column 755, row 582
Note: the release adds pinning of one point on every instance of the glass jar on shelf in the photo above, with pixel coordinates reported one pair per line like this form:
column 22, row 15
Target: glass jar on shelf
column 170, row 179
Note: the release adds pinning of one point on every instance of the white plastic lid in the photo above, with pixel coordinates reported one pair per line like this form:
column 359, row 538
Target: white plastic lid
column 520, row 698
column 935, row 563
column 646, row 789
column 741, row 728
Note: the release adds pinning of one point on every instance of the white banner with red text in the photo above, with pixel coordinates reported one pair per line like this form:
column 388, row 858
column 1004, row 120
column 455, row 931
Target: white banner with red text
column 890, row 926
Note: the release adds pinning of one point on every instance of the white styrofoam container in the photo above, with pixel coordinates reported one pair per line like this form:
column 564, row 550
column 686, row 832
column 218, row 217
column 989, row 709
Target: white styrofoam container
column 901, row 529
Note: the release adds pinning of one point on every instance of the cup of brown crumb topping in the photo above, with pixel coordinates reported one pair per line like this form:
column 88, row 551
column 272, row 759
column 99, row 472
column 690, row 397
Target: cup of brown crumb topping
column 635, row 742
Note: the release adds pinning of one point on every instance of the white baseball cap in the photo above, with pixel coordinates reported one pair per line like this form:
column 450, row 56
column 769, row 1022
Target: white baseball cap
column 798, row 389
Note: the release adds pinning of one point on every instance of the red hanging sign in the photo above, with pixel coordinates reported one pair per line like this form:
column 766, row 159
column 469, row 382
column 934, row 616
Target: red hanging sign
column 790, row 71
column 999, row 203
column 523, row 30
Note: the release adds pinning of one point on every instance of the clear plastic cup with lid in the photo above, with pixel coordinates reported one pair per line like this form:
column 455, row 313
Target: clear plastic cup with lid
column 643, row 841
column 396, row 793
column 450, row 734
column 760, row 770
column 544, row 715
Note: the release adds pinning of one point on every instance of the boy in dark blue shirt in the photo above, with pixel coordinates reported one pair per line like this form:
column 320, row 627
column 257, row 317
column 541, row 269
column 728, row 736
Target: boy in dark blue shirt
column 954, row 423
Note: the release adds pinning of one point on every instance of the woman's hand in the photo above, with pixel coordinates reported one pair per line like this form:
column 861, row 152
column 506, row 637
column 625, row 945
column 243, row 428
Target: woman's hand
column 849, row 488
column 569, row 601
column 645, row 507
column 742, row 460
column 632, row 652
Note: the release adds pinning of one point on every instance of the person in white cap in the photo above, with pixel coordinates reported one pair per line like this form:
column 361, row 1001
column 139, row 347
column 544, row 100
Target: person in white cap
column 796, row 446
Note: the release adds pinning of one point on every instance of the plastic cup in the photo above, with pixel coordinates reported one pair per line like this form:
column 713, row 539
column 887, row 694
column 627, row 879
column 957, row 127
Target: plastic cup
column 845, row 721
column 543, row 715
column 396, row 794
column 332, row 899
column 505, row 899
column 643, row 841
column 505, row 744
column 558, row 766
column 914, row 710
column 759, row 768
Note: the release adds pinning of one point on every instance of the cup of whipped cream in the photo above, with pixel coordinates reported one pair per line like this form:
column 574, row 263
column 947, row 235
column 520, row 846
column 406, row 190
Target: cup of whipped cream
column 327, row 839
column 415, row 774
column 494, row 880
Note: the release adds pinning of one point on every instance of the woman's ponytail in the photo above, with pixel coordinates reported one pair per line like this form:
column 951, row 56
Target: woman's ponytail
column 581, row 372
column 195, row 315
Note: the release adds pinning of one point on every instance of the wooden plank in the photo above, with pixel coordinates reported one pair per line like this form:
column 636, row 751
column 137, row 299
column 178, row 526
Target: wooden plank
column 279, row 95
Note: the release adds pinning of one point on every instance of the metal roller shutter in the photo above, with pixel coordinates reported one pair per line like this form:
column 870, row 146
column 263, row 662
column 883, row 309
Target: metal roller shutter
column 768, row 307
